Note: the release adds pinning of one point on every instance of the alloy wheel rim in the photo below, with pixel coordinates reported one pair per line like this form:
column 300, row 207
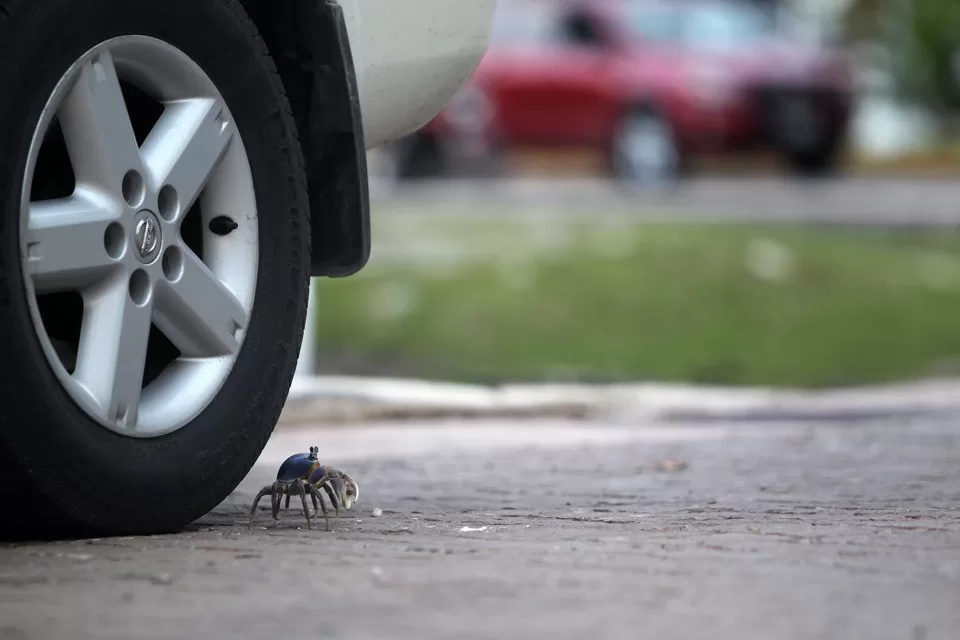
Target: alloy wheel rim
column 118, row 239
column 647, row 149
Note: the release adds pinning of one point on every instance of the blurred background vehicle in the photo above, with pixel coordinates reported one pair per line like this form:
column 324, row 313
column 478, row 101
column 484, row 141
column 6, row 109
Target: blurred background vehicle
column 648, row 85
column 739, row 274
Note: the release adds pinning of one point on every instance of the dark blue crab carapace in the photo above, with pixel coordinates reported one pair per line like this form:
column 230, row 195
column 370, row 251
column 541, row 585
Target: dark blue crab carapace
column 301, row 475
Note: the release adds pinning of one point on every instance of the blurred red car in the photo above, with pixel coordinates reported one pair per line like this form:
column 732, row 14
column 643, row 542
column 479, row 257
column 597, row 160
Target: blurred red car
column 649, row 83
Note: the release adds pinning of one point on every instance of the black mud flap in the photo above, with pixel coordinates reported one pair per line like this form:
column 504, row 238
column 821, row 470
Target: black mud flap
column 333, row 143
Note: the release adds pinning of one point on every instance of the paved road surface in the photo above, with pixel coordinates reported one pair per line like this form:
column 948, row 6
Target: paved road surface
column 553, row 531
column 850, row 200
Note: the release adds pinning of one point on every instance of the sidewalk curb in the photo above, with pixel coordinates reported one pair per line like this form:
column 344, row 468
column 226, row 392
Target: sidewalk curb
column 351, row 399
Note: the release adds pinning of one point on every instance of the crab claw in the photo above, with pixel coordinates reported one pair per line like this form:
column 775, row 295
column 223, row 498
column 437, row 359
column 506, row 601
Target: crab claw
column 347, row 490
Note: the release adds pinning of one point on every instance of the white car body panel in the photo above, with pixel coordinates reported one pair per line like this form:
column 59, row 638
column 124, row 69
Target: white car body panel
column 411, row 57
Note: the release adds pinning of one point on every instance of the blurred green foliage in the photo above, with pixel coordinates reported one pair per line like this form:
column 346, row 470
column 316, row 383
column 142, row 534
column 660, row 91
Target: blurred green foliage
column 923, row 37
column 739, row 304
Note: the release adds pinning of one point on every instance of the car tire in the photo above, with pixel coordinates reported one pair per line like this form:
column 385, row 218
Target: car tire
column 418, row 157
column 94, row 451
column 822, row 162
column 645, row 153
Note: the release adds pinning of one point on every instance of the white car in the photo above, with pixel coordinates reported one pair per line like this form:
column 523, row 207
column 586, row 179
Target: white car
column 172, row 173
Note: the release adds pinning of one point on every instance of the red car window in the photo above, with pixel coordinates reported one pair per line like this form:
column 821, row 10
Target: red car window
column 524, row 23
column 700, row 24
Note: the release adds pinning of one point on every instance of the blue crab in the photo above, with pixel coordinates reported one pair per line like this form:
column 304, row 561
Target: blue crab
column 302, row 475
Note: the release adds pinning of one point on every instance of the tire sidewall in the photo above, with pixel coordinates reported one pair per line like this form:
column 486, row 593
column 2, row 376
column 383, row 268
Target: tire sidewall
column 99, row 479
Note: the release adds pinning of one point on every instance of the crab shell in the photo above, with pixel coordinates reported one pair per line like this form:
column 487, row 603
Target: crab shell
column 299, row 465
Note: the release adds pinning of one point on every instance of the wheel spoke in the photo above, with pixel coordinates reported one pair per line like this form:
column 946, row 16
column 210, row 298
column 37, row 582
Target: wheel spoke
column 67, row 242
column 197, row 312
column 113, row 351
column 185, row 146
column 97, row 128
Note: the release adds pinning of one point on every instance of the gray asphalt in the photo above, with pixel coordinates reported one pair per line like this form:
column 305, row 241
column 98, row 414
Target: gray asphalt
column 545, row 530
column 850, row 200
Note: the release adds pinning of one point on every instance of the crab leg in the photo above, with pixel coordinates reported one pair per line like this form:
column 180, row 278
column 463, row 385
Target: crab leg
column 265, row 491
column 277, row 497
column 324, row 484
column 316, row 496
column 303, row 498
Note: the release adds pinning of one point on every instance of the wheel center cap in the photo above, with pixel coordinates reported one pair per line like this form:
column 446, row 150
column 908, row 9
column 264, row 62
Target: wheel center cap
column 147, row 236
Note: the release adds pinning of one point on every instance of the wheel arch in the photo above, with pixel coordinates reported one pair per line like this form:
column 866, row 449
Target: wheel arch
column 309, row 44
